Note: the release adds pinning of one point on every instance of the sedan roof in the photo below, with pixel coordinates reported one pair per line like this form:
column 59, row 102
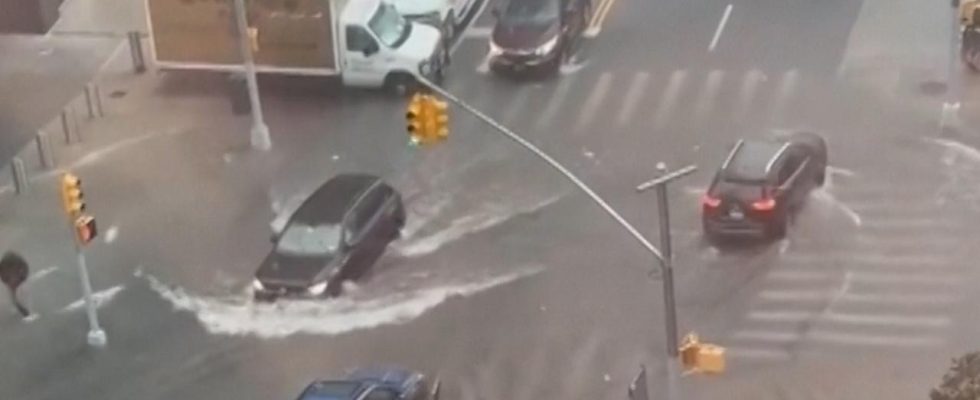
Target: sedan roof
column 330, row 202
column 751, row 160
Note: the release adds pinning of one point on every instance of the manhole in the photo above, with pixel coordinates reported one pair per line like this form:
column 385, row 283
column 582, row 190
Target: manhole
column 117, row 94
column 932, row 88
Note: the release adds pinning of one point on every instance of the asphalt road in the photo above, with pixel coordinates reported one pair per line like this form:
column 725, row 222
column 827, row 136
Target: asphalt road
column 510, row 284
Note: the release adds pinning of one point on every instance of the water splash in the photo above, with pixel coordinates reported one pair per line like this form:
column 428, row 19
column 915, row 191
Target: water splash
column 239, row 316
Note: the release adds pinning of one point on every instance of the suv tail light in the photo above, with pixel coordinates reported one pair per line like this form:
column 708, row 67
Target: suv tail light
column 764, row 204
column 710, row 202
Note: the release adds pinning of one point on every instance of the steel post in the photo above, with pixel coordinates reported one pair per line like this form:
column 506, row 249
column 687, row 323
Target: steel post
column 44, row 150
column 88, row 101
column 19, row 174
column 96, row 336
column 68, row 125
column 136, row 51
column 949, row 118
column 97, row 96
column 259, row 137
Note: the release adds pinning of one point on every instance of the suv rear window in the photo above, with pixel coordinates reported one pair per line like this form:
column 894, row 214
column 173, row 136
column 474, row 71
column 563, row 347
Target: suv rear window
column 750, row 162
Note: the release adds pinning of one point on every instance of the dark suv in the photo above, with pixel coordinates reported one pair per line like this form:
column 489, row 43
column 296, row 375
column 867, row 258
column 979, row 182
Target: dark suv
column 762, row 183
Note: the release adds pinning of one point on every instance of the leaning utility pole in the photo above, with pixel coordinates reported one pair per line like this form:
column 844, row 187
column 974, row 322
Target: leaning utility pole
column 259, row 138
column 666, row 271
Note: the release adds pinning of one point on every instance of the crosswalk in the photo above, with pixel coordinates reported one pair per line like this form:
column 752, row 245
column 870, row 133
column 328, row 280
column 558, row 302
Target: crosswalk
column 625, row 100
column 892, row 284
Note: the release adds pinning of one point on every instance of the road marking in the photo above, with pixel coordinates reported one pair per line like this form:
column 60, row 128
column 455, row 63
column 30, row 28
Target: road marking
column 890, row 261
column 706, row 99
column 721, row 27
column 598, row 16
column 854, row 319
column 872, row 340
column 633, row 96
column 669, row 98
column 745, row 352
column 787, row 87
column 554, row 104
column 767, row 336
column 750, row 84
column 892, row 277
column 821, row 296
column 913, row 223
column 484, row 66
column 478, row 32
column 594, row 101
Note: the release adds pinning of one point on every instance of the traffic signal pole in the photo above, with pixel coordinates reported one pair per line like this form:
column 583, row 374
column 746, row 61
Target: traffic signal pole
column 666, row 271
column 96, row 336
column 83, row 230
column 670, row 307
column 259, row 138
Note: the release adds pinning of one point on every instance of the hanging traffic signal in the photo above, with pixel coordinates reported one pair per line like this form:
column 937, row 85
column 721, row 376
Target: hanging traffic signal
column 85, row 229
column 72, row 198
column 439, row 120
column 415, row 118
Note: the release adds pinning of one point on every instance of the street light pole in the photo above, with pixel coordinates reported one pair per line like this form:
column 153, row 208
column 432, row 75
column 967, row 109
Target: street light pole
column 259, row 138
column 670, row 307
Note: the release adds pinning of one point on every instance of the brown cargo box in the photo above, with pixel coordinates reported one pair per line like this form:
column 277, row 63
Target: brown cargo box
column 294, row 34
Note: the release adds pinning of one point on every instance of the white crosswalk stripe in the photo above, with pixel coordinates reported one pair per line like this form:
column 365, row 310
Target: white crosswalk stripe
column 666, row 105
column 594, row 101
column 746, row 93
column 709, row 94
column 633, row 96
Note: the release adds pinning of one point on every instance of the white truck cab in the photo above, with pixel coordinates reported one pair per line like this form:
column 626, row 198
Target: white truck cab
column 380, row 46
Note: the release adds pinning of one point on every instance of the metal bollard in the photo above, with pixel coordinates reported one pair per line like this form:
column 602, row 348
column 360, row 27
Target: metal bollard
column 69, row 126
column 44, row 150
column 136, row 50
column 88, row 101
column 20, row 175
column 97, row 94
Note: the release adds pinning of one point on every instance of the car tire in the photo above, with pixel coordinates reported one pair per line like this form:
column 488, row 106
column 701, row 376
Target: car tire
column 401, row 83
column 778, row 228
column 335, row 288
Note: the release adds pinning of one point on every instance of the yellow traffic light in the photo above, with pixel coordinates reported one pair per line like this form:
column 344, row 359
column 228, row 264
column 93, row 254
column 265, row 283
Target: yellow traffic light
column 439, row 120
column 85, row 229
column 415, row 118
column 72, row 198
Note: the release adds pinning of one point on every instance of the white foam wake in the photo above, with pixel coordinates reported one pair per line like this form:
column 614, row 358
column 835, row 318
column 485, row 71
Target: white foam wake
column 490, row 216
column 240, row 316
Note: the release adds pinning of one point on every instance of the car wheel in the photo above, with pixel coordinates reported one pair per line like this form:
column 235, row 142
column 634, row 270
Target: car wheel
column 335, row 288
column 401, row 83
column 778, row 228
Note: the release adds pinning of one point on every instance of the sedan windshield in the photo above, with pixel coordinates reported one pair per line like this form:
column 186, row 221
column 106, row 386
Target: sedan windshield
column 531, row 12
column 389, row 26
column 305, row 240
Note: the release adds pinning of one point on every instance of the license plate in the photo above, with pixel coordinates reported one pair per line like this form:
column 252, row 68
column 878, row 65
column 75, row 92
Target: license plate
column 736, row 214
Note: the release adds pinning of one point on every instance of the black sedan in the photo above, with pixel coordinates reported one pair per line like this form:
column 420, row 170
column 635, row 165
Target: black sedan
column 762, row 183
column 336, row 234
column 376, row 383
column 536, row 34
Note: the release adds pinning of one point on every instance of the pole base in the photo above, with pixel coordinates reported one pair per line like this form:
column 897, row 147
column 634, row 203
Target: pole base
column 260, row 137
column 949, row 117
column 97, row 338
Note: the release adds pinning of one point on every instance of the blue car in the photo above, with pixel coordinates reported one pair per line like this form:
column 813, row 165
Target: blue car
column 385, row 383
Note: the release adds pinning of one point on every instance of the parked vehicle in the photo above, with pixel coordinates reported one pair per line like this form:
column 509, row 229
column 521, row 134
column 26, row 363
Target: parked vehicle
column 365, row 42
column 387, row 383
column 337, row 234
column 447, row 15
column 762, row 183
column 536, row 34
